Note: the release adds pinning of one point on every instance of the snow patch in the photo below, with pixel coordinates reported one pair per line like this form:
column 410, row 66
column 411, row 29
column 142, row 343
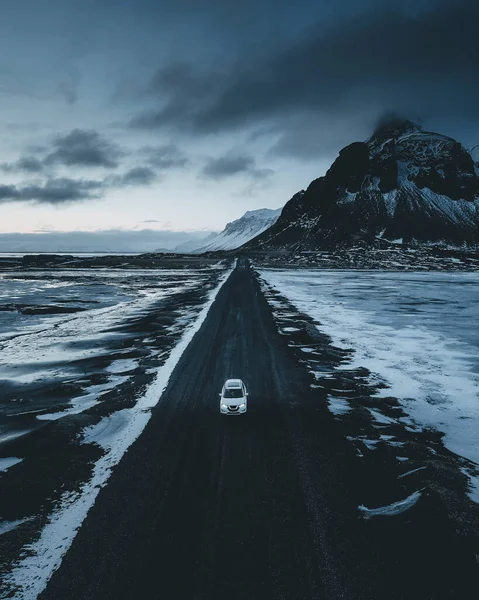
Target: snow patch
column 396, row 508
column 6, row 463
column 338, row 406
column 411, row 472
column 379, row 418
column 473, row 475
column 122, row 365
column 86, row 401
column 6, row 526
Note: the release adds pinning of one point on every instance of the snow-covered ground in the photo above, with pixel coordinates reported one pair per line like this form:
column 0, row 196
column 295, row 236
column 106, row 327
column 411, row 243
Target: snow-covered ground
column 417, row 332
column 114, row 434
column 120, row 327
column 49, row 347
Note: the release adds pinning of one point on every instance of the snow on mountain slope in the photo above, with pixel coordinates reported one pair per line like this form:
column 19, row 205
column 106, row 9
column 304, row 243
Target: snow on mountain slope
column 475, row 157
column 402, row 183
column 237, row 233
column 192, row 245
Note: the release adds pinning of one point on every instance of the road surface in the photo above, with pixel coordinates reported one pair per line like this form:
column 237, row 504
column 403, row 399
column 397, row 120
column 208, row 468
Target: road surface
column 261, row 506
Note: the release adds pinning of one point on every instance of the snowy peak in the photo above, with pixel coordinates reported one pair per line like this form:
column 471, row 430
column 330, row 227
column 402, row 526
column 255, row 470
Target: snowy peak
column 389, row 129
column 261, row 214
column 475, row 157
column 240, row 231
column 402, row 183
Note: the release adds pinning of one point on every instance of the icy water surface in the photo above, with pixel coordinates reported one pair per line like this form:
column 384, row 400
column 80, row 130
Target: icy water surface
column 416, row 332
column 66, row 337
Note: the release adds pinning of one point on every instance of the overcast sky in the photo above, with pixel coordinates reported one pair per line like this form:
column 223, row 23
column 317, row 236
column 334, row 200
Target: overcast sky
column 183, row 114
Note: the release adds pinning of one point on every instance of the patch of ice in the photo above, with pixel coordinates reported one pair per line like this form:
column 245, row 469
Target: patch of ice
column 474, row 488
column 151, row 371
column 122, row 365
column 371, row 444
column 6, row 463
column 411, row 472
column 380, row 234
column 106, row 432
column 338, row 406
column 396, row 508
column 86, row 401
column 6, row 526
column 379, row 418
column 473, row 475
column 11, row 435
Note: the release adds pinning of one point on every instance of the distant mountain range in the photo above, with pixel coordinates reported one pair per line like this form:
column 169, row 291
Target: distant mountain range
column 104, row 241
column 236, row 233
column 403, row 184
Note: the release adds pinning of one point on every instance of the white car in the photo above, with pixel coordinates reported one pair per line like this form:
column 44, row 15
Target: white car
column 233, row 398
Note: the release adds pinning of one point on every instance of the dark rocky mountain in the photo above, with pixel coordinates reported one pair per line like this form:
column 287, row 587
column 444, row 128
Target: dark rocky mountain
column 475, row 157
column 403, row 185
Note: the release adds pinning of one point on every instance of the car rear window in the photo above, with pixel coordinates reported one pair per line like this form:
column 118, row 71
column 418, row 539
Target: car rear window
column 233, row 393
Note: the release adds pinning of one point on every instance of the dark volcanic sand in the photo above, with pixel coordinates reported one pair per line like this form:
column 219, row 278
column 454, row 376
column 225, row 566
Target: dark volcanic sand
column 256, row 507
column 55, row 460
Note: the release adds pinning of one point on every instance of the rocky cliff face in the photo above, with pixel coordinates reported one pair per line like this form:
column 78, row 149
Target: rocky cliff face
column 402, row 184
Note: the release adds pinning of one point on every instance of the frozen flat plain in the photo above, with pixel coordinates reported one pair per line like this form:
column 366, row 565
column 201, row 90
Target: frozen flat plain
column 306, row 503
column 418, row 333
column 99, row 367
column 41, row 346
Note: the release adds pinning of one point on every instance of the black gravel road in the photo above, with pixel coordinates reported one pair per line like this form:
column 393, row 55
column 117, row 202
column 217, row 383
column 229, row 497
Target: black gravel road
column 260, row 506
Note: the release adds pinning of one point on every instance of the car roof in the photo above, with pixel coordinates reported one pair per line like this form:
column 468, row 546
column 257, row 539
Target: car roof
column 233, row 383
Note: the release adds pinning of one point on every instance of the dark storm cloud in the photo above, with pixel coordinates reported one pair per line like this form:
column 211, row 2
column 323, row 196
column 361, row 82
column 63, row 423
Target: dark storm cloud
column 28, row 164
column 53, row 191
column 164, row 158
column 78, row 148
column 425, row 64
column 233, row 164
column 179, row 77
column 84, row 148
column 139, row 176
column 185, row 89
column 63, row 190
